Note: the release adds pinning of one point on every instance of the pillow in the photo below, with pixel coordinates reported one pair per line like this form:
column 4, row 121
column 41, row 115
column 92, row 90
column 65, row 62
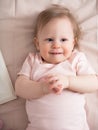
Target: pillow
column 6, row 88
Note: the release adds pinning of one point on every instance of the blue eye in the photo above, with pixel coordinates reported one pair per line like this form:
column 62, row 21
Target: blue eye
column 64, row 39
column 49, row 39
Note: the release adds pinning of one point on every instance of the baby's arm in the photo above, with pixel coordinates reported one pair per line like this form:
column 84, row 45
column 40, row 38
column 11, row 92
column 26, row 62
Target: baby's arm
column 57, row 82
column 81, row 84
column 28, row 89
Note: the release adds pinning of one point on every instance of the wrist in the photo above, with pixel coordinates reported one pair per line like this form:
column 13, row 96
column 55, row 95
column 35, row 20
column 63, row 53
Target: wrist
column 45, row 89
column 68, row 84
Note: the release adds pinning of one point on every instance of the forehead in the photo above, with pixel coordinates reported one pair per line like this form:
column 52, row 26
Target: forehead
column 59, row 21
column 62, row 24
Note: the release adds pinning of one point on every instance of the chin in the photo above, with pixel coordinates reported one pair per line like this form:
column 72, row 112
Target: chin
column 58, row 61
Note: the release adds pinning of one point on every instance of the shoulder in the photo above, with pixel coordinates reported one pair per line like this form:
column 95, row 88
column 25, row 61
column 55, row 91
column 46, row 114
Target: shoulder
column 81, row 63
column 33, row 57
column 77, row 56
column 30, row 57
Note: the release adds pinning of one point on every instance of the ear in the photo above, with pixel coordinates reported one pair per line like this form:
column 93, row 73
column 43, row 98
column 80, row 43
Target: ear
column 35, row 40
column 75, row 40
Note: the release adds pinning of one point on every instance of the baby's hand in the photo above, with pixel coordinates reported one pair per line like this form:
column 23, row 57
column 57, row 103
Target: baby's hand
column 57, row 82
column 44, row 85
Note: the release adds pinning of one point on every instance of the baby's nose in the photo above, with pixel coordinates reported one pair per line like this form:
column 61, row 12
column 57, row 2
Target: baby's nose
column 56, row 44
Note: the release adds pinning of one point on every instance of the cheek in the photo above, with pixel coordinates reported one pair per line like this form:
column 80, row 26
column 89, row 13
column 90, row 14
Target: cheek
column 43, row 50
column 44, row 47
column 68, row 49
column 71, row 46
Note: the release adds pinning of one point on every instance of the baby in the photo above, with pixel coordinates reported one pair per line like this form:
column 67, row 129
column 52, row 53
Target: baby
column 54, row 79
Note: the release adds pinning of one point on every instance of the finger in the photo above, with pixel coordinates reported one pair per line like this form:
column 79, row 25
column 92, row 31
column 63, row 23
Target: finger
column 56, row 86
column 57, row 90
column 52, row 80
column 50, row 76
column 57, row 83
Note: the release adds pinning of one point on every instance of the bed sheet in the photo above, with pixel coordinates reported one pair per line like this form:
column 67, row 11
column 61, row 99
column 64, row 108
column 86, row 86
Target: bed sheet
column 17, row 18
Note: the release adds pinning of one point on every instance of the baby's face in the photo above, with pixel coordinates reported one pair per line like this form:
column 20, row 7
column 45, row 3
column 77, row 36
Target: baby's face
column 55, row 40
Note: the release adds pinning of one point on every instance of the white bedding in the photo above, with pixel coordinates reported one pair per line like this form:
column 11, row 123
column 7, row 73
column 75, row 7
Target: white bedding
column 6, row 88
column 17, row 19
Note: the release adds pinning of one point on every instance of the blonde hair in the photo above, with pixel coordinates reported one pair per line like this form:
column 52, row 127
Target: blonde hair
column 56, row 11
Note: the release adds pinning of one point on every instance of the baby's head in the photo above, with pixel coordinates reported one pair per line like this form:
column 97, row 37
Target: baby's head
column 57, row 11
column 56, row 34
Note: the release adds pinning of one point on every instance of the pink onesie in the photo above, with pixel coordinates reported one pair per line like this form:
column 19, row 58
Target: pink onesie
column 57, row 112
